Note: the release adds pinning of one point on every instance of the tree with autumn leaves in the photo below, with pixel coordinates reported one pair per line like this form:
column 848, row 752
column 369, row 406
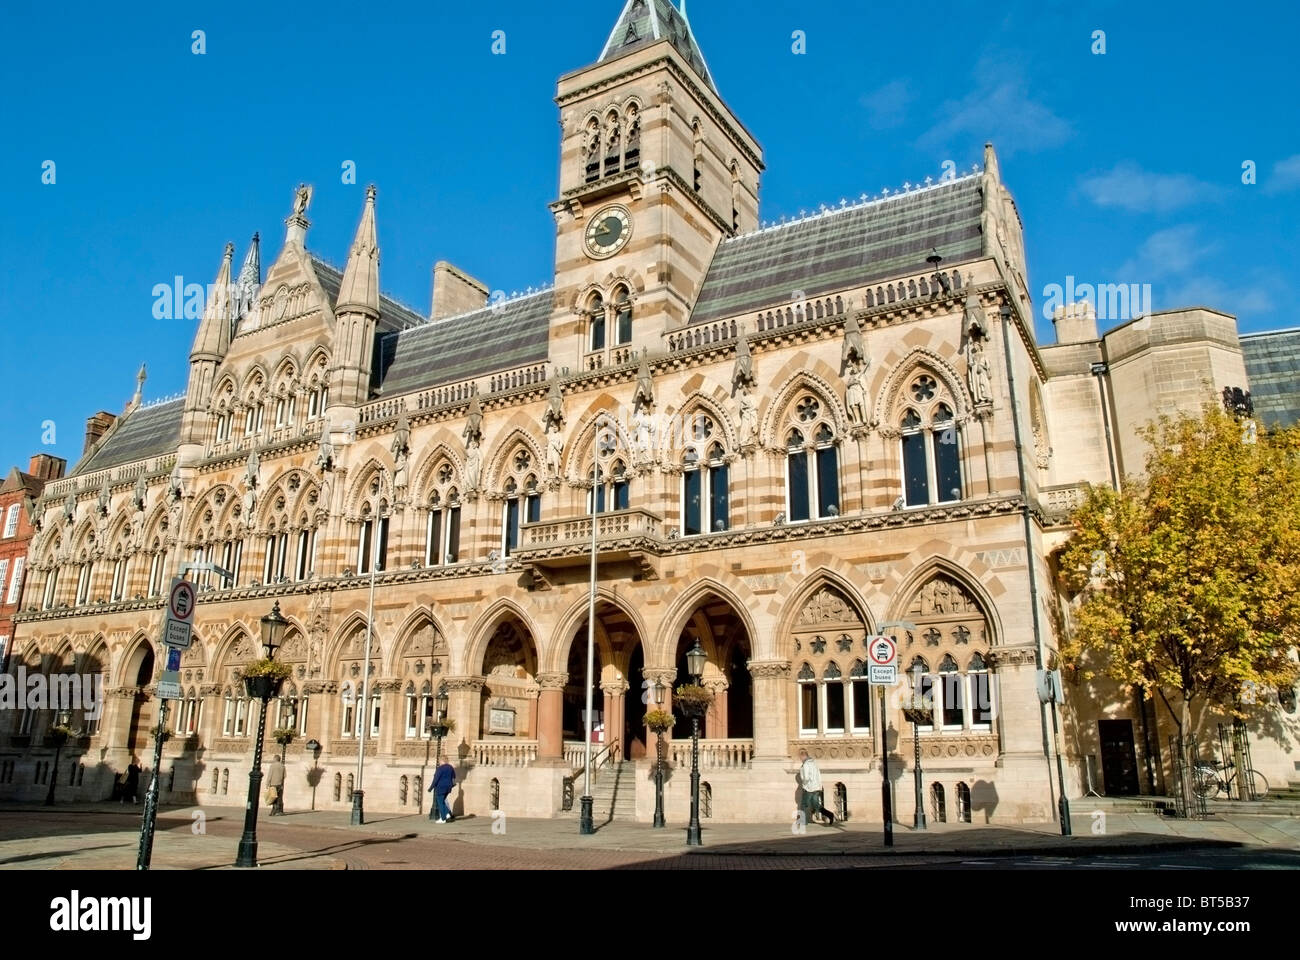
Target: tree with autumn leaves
column 1189, row 579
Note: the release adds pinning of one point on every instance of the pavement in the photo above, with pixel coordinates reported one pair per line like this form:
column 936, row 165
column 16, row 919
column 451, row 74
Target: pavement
column 106, row 837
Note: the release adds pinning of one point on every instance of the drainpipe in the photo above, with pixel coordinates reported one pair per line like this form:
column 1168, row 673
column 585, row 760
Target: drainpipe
column 1101, row 371
column 1039, row 657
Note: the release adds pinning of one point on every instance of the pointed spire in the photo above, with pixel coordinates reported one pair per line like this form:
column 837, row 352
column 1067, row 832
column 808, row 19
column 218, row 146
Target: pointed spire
column 360, row 287
column 644, row 22
column 250, row 278
column 213, row 339
column 139, row 386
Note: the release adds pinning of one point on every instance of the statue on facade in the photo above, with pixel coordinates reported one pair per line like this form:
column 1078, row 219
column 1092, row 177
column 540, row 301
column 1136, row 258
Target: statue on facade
column 138, row 498
column 401, row 447
column 474, row 420
column 742, row 372
column 473, row 464
column 855, row 349
column 325, row 452
column 252, row 468
column 554, row 405
column 174, row 489
column 554, row 448
column 645, row 388
column 747, row 430
column 977, row 368
column 855, row 393
column 105, row 498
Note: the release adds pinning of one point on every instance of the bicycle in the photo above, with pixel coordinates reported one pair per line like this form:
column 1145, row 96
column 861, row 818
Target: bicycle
column 1208, row 781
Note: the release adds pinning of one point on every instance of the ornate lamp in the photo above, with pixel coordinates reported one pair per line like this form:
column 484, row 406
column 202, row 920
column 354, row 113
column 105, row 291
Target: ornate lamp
column 273, row 627
column 696, row 658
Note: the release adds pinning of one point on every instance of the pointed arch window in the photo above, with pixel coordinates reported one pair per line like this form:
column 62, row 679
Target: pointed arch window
column 622, row 316
column 981, row 693
column 706, row 484
column 812, row 464
column 859, row 698
column 808, row 712
column 120, row 574
column 596, row 318
column 348, row 713
column 372, row 542
column 930, row 447
column 523, row 499
column 228, row 721
column 155, row 570
column 442, row 527
column 614, row 490
column 83, row 580
column 52, row 584
column 952, row 694
column 833, row 695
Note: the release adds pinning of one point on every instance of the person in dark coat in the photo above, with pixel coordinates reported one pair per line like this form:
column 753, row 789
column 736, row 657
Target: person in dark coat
column 444, row 779
column 131, row 788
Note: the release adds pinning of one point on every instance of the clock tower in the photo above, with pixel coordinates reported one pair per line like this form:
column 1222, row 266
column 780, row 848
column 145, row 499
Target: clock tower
column 655, row 171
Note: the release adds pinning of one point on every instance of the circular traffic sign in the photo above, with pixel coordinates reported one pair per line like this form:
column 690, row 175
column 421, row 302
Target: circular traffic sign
column 181, row 602
column 882, row 651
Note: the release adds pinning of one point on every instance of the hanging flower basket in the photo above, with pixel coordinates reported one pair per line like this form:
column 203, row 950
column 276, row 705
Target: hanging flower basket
column 284, row 735
column 263, row 678
column 659, row 721
column 693, row 700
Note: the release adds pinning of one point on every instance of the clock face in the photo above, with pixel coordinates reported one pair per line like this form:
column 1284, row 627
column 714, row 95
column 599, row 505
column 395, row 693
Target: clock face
column 608, row 232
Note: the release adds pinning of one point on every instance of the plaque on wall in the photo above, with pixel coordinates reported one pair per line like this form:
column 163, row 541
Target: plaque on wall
column 501, row 719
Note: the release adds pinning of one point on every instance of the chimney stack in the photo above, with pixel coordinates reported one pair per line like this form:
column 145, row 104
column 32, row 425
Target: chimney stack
column 47, row 468
column 455, row 292
column 96, row 427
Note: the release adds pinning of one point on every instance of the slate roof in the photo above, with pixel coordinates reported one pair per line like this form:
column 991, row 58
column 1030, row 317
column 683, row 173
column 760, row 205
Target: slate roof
column 1273, row 369
column 144, row 433
column 392, row 315
column 510, row 334
column 644, row 22
column 843, row 248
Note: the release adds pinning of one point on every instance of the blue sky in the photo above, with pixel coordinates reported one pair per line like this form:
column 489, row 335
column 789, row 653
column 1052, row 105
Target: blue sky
column 1126, row 166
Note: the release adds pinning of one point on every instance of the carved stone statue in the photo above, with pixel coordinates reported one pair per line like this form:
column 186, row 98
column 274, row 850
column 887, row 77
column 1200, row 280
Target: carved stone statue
column 301, row 198
column 474, row 421
column 473, row 464
column 854, row 347
column 174, row 489
column 747, row 428
column 977, row 367
column 742, row 373
column 855, row 393
column 325, row 452
column 645, row 388
column 251, row 469
column 140, row 493
column 554, row 448
column 554, row 406
column 104, row 498
column 70, row 507
column 401, row 437
column 643, row 429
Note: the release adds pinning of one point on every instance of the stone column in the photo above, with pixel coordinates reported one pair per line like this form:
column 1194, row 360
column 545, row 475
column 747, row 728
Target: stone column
column 715, row 721
column 550, row 716
column 615, row 707
column 771, row 697
column 464, row 705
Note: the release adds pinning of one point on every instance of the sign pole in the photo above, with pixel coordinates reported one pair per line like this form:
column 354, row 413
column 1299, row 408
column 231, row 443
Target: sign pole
column 145, row 856
column 886, row 801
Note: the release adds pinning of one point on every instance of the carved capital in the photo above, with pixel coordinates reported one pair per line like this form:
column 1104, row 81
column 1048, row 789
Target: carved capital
column 615, row 687
column 769, row 668
column 1012, row 657
column 385, row 684
column 122, row 693
column 210, row 689
column 320, row 686
column 552, row 681
column 464, row 684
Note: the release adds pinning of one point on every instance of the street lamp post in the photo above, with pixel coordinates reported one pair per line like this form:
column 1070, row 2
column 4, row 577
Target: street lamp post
column 273, row 625
column 659, row 761
column 586, row 823
column 358, row 795
column 60, row 737
column 695, row 660
column 438, row 730
column 915, row 714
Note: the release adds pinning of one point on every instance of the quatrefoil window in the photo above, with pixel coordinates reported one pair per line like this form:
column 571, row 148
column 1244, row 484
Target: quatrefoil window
column 808, row 409
column 444, row 473
column 703, row 428
column 923, row 388
column 522, row 460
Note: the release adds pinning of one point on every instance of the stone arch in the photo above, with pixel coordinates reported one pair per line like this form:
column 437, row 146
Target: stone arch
column 217, row 498
column 710, row 580
column 714, row 404
column 480, row 633
column 316, row 369
column 497, row 466
column 237, row 645
column 582, row 438
column 359, row 489
column 906, row 588
column 133, row 656
column 353, row 625
column 792, row 605
column 556, row 654
column 410, row 641
column 889, row 394
column 256, row 383
column 816, row 380
column 424, row 477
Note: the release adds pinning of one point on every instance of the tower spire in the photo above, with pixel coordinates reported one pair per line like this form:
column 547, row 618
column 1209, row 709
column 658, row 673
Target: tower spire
column 139, row 387
column 213, row 339
column 359, row 290
column 250, row 278
column 644, row 22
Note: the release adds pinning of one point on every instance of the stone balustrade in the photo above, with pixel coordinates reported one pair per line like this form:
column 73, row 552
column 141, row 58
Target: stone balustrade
column 504, row 753
column 714, row 754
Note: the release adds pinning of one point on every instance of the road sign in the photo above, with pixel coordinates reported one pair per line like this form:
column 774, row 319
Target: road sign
column 170, row 689
column 180, row 614
column 883, row 654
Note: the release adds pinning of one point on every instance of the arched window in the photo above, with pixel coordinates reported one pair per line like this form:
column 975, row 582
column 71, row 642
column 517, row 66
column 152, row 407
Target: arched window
column 412, row 711
column 523, row 499
column 286, row 710
column 809, row 715
column 349, row 712
column 859, row 698
column 833, row 695
column 931, row 452
column 632, row 143
column 372, row 540
column 614, row 490
column 596, row 318
column 338, row 786
column 155, row 572
column 952, row 694
column 442, row 527
column 812, row 463
column 706, row 482
column 228, row 722
column 980, row 694
column 622, row 316
column 84, row 579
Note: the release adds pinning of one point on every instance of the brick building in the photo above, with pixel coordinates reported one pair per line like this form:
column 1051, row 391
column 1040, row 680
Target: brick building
column 18, row 495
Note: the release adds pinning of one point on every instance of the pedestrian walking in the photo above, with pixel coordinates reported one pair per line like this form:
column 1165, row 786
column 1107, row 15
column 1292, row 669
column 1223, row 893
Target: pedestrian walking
column 444, row 778
column 810, row 779
column 131, row 787
column 275, row 787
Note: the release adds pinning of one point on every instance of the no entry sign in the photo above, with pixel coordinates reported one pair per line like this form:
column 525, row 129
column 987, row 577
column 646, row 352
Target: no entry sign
column 883, row 654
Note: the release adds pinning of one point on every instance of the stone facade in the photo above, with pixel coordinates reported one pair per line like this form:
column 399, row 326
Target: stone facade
column 790, row 455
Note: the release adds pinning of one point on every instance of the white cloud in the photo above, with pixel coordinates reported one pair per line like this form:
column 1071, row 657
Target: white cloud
column 1172, row 261
column 887, row 106
column 1129, row 187
column 1285, row 176
column 1166, row 253
column 998, row 109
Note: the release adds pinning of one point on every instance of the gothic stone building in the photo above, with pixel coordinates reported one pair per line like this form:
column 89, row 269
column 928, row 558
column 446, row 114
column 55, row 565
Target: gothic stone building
column 796, row 437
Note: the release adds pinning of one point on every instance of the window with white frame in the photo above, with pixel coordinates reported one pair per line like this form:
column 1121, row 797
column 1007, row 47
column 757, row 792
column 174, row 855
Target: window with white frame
column 16, row 580
column 930, row 448
column 242, row 715
column 832, row 687
column 83, row 580
column 706, row 486
column 11, row 521
column 622, row 316
column 614, row 490
column 523, row 499
column 348, row 713
column 859, row 698
column 372, row 539
column 156, row 570
column 51, row 588
column 4, row 573
column 228, row 720
column 442, row 529
column 812, row 463
column 119, row 577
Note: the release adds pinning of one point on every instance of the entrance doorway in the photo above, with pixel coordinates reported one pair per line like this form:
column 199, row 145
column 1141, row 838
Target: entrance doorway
column 1118, row 757
column 138, row 739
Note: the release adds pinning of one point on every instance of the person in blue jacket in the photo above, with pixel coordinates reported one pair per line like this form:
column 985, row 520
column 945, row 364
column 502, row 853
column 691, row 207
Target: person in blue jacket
column 444, row 779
